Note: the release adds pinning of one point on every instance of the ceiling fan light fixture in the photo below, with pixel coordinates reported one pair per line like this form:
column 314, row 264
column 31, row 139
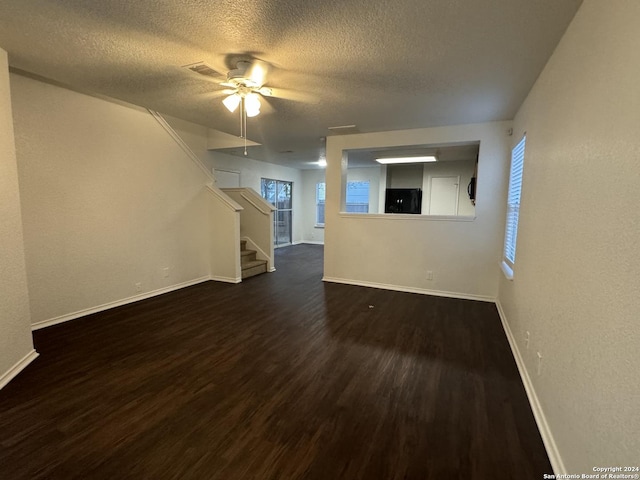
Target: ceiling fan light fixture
column 252, row 104
column 232, row 102
column 420, row 159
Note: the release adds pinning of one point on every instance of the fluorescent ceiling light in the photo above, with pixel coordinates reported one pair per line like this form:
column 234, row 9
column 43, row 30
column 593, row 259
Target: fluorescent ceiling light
column 427, row 158
column 342, row 127
column 322, row 162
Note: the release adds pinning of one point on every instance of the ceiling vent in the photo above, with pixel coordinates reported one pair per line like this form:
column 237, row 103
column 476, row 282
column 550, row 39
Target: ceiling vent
column 203, row 69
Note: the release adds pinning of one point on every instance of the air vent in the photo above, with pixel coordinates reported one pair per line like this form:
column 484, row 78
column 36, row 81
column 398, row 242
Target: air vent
column 203, row 69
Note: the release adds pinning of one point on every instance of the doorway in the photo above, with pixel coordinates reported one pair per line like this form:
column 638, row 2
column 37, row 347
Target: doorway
column 279, row 193
column 443, row 199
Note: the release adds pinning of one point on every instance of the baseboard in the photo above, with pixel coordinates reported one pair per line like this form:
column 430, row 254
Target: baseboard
column 400, row 288
column 17, row 368
column 545, row 432
column 226, row 279
column 117, row 303
column 311, row 242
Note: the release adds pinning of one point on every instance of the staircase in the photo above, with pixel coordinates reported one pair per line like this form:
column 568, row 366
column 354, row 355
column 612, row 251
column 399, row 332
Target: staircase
column 248, row 262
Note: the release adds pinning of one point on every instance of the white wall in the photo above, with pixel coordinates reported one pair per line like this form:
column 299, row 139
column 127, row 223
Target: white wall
column 397, row 251
column 251, row 171
column 109, row 200
column 577, row 274
column 15, row 332
column 225, row 238
column 404, row 176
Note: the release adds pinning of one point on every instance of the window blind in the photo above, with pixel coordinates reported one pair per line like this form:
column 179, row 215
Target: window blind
column 320, row 199
column 513, row 202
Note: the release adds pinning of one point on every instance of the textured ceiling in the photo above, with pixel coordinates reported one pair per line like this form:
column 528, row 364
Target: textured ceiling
column 378, row 64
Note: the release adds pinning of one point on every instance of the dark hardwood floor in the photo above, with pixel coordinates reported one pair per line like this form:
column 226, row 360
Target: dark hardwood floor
column 280, row 377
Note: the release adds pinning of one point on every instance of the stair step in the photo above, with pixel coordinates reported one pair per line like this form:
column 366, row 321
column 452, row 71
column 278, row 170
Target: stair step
column 248, row 262
column 253, row 263
column 247, row 256
column 253, row 267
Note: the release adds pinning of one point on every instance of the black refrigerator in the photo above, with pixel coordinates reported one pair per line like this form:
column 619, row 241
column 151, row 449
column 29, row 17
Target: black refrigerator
column 403, row 200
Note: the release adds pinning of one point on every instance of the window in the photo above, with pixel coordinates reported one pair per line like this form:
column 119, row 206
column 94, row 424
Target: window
column 513, row 208
column 320, row 196
column 278, row 193
column 357, row 199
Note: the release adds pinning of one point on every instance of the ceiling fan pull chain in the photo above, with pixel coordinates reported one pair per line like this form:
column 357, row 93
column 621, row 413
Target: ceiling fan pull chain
column 244, row 110
column 241, row 121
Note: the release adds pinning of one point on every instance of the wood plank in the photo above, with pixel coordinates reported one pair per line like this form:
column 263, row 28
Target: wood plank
column 279, row 377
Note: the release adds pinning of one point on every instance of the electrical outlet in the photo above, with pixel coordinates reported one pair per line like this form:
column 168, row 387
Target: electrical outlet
column 539, row 363
column 165, row 272
column 527, row 339
column 429, row 274
column 138, row 287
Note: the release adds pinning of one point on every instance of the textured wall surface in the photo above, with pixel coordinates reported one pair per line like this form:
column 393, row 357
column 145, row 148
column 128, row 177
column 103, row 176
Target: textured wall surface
column 577, row 274
column 109, row 200
column 15, row 331
column 225, row 238
column 397, row 251
column 251, row 171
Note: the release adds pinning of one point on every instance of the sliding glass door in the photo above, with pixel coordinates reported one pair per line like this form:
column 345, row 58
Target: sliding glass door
column 278, row 193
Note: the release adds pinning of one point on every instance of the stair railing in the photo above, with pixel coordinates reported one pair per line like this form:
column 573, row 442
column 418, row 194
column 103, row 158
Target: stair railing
column 256, row 222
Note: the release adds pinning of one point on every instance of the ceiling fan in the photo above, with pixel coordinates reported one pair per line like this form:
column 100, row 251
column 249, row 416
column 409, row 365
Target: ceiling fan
column 248, row 77
column 245, row 86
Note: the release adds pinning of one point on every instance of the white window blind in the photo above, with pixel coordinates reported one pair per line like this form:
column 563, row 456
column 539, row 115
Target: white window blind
column 320, row 199
column 513, row 203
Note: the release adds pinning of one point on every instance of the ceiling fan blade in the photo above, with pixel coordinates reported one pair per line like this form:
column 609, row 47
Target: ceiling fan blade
column 294, row 95
column 257, row 72
column 213, row 94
